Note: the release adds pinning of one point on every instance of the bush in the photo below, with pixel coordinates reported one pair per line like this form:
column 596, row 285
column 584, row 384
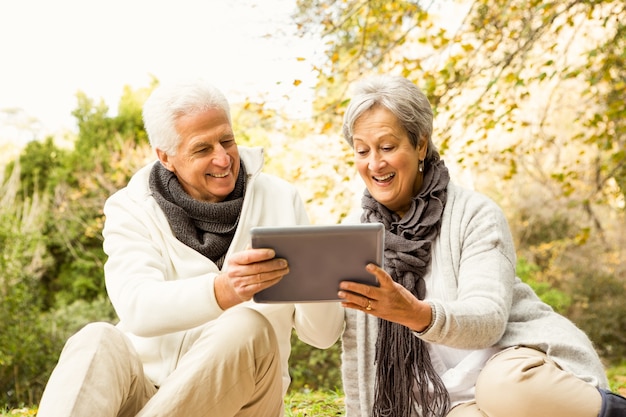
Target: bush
column 314, row 369
column 23, row 352
column 599, row 309
column 558, row 300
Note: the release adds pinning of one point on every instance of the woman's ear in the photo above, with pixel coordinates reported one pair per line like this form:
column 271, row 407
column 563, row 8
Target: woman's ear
column 422, row 148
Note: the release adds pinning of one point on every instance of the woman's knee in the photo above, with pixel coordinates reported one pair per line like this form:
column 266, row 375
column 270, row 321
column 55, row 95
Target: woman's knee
column 510, row 368
column 523, row 381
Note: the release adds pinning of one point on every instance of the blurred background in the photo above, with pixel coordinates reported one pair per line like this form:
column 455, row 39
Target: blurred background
column 529, row 109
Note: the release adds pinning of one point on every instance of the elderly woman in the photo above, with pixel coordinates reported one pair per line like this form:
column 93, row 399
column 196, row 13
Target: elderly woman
column 450, row 331
column 180, row 274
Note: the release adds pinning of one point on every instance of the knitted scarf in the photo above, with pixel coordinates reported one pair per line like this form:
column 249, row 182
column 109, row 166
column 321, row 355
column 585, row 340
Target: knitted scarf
column 405, row 377
column 205, row 227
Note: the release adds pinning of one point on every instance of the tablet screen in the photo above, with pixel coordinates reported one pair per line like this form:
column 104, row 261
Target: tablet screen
column 320, row 257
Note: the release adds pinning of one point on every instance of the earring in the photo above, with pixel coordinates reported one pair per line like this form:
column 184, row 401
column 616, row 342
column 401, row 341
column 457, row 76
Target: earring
column 420, row 165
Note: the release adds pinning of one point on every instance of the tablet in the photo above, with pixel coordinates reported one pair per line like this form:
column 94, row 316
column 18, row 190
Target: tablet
column 320, row 257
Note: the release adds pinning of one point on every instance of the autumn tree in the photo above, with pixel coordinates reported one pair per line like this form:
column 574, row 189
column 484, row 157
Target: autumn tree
column 529, row 106
column 496, row 72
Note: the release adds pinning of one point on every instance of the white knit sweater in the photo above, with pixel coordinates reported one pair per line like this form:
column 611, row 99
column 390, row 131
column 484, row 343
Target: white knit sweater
column 161, row 288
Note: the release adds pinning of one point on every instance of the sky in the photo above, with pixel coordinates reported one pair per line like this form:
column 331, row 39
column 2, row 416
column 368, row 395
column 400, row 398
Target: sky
column 51, row 49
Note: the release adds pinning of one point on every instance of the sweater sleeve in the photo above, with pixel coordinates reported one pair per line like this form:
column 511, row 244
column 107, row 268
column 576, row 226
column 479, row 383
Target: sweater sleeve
column 149, row 298
column 319, row 324
column 477, row 261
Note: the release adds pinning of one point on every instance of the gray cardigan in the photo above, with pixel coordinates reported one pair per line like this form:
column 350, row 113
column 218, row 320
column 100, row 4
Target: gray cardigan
column 487, row 305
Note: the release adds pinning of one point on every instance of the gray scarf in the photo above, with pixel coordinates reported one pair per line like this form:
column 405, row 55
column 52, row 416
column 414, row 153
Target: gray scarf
column 208, row 228
column 402, row 359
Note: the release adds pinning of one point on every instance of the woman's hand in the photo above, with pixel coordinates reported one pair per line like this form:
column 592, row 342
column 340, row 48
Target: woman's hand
column 247, row 273
column 390, row 301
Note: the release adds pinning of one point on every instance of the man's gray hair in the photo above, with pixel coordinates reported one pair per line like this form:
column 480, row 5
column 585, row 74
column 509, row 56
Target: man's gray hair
column 402, row 98
column 170, row 101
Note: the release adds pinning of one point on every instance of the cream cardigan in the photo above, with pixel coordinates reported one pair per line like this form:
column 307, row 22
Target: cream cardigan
column 490, row 307
column 160, row 287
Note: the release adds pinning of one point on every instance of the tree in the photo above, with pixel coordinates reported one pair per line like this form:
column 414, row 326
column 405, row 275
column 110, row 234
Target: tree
column 495, row 76
column 23, row 352
column 51, row 279
column 529, row 105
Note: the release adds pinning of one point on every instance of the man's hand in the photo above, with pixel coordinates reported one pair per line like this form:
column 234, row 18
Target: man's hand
column 247, row 273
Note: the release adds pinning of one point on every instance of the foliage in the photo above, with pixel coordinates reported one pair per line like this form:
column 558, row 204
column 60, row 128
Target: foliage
column 501, row 77
column 19, row 412
column 38, row 164
column 599, row 310
column 50, row 222
column 316, row 403
column 30, row 338
column 559, row 300
column 314, row 369
column 23, row 354
column 77, row 181
column 617, row 378
column 486, row 67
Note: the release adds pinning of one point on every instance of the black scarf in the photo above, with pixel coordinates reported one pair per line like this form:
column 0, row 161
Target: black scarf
column 206, row 227
column 402, row 359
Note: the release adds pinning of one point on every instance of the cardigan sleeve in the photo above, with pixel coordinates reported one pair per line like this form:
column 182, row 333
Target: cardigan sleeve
column 477, row 261
column 149, row 298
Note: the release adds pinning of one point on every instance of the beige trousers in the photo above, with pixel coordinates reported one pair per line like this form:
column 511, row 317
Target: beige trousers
column 524, row 382
column 228, row 367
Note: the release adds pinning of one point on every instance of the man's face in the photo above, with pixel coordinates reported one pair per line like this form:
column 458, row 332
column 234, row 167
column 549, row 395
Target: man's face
column 207, row 159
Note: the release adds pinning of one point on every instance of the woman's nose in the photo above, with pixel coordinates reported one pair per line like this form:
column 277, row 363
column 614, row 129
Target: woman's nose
column 376, row 162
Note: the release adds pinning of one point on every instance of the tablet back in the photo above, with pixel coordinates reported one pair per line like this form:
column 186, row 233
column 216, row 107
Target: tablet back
column 320, row 257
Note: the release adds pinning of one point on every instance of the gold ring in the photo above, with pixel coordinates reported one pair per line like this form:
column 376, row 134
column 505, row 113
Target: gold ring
column 369, row 305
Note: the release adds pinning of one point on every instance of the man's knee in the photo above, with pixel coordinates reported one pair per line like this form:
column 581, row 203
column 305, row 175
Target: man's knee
column 251, row 320
column 94, row 335
column 254, row 326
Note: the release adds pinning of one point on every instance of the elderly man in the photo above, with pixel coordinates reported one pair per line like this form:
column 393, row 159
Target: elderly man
column 181, row 277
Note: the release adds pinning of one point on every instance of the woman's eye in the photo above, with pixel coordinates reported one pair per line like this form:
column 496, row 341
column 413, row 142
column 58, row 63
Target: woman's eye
column 387, row 148
column 361, row 152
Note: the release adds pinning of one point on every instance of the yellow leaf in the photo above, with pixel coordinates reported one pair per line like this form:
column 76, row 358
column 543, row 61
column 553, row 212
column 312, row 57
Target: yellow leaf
column 297, row 82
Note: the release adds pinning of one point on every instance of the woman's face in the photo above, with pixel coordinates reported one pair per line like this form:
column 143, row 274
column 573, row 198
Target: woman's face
column 386, row 160
column 207, row 159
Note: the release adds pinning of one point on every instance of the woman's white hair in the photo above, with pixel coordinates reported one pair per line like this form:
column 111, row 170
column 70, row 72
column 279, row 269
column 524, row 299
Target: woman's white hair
column 170, row 101
column 403, row 99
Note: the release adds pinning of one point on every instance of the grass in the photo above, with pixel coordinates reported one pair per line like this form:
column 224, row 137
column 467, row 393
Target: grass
column 319, row 404
column 330, row 404
column 297, row 404
column 617, row 378
column 19, row 412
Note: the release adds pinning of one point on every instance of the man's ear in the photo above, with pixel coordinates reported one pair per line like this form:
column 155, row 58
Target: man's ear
column 164, row 158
